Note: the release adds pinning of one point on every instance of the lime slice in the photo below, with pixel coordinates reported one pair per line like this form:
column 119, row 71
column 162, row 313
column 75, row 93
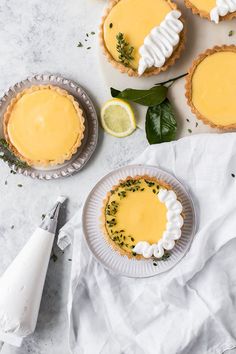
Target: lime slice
column 117, row 118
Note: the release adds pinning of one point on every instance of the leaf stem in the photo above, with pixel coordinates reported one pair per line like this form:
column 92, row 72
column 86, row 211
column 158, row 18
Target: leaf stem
column 171, row 80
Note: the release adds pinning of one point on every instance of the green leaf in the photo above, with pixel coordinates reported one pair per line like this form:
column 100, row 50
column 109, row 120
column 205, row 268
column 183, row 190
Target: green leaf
column 114, row 92
column 151, row 97
column 161, row 125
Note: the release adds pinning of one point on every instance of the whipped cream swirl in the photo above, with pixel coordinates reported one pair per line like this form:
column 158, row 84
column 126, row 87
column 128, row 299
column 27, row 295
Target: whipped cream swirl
column 173, row 227
column 160, row 43
column 222, row 8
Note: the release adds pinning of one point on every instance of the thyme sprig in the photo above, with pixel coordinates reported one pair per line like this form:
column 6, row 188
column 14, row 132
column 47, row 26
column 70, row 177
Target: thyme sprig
column 7, row 156
column 124, row 49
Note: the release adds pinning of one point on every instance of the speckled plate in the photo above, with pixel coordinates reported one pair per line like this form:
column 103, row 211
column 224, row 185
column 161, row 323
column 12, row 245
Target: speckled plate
column 89, row 143
column 102, row 250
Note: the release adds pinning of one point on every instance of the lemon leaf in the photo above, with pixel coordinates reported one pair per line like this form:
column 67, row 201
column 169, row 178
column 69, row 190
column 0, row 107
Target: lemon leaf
column 152, row 97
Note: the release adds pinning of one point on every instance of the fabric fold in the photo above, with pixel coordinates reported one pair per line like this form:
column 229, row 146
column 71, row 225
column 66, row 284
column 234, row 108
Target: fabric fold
column 192, row 307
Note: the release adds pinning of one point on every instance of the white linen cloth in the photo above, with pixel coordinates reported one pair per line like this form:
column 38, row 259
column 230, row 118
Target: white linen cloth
column 190, row 309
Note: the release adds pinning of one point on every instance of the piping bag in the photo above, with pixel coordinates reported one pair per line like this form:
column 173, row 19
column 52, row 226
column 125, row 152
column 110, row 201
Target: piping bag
column 21, row 286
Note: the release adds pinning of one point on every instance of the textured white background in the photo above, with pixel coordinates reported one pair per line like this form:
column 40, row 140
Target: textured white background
column 40, row 36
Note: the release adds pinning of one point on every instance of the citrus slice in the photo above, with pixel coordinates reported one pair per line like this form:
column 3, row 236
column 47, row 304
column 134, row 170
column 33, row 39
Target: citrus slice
column 117, row 118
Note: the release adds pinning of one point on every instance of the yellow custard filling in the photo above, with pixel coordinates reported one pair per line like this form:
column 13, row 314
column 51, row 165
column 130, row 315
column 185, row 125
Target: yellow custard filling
column 135, row 19
column 134, row 213
column 43, row 125
column 204, row 5
column 214, row 88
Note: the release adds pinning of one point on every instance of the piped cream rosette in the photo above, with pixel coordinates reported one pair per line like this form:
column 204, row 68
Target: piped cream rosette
column 160, row 43
column 173, row 227
column 222, row 8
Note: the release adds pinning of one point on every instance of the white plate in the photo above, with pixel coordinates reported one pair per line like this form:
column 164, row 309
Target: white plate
column 83, row 154
column 102, row 250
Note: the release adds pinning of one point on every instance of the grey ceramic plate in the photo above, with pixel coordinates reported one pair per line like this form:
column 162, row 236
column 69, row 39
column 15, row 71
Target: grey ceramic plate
column 102, row 250
column 89, row 143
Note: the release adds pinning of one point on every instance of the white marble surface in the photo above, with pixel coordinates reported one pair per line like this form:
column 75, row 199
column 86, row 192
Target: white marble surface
column 40, row 36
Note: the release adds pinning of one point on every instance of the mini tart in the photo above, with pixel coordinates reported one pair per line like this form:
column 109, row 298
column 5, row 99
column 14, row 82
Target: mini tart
column 210, row 87
column 132, row 213
column 43, row 125
column 150, row 18
column 203, row 8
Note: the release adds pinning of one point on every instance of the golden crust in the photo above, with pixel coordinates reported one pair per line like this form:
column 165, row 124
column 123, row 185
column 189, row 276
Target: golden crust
column 130, row 71
column 64, row 158
column 103, row 213
column 188, row 85
column 205, row 14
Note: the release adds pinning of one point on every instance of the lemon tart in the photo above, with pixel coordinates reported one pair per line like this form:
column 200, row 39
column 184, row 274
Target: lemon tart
column 213, row 10
column 141, row 217
column 142, row 37
column 210, row 87
column 43, row 125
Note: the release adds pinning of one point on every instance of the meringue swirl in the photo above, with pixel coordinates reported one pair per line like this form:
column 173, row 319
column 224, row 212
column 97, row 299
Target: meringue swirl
column 173, row 227
column 160, row 43
column 222, row 8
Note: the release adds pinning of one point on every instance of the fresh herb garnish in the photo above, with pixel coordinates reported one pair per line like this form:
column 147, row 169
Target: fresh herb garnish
column 196, row 124
column 79, row 45
column 187, row 120
column 124, row 49
column 231, row 33
column 151, row 97
column 190, row 131
column 12, row 227
column 7, row 156
column 160, row 124
column 3, row 143
column 233, row 175
column 19, row 185
column 165, row 257
column 92, row 33
column 88, row 48
column 54, row 257
column 43, row 216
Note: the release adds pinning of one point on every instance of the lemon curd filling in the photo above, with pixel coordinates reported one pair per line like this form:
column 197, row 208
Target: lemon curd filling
column 135, row 19
column 134, row 213
column 43, row 125
column 214, row 88
column 204, row 5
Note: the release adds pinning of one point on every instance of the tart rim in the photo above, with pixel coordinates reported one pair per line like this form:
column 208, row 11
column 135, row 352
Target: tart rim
column 188, row 85
column 205, row 14
column 44, row 162
column 114, row 246
column 130, row 71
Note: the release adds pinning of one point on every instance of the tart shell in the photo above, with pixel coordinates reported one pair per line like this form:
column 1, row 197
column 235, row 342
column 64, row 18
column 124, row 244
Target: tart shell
column 188, row 85
column 206, row 15
column 45, row 163
column 130, row 71
column 103, row 213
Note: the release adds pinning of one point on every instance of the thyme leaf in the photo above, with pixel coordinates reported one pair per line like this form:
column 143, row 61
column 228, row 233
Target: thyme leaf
column 7, row 156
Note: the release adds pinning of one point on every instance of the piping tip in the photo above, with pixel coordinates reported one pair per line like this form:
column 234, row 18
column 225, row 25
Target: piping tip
column 50, row 221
